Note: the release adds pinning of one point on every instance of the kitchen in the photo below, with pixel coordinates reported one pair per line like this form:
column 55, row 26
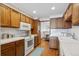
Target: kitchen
column 23, row 34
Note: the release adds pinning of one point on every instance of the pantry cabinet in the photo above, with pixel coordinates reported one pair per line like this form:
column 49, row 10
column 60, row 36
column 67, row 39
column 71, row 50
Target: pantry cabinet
column 4, row 16
column 23, row 18
column 15, row 18
column 75, row 15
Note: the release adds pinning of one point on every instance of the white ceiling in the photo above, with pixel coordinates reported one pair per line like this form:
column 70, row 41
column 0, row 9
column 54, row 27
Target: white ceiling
column 43, row 10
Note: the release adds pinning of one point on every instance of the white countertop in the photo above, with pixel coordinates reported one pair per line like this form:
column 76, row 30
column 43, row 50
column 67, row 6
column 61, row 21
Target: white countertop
column 4, row 41
column 69, row 46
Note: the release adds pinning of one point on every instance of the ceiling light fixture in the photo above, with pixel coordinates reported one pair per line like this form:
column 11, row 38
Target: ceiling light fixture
column 53, row 8
column 34, row 12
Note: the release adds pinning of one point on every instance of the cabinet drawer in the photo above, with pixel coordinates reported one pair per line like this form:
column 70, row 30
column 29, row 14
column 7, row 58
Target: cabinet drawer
column 5, row 46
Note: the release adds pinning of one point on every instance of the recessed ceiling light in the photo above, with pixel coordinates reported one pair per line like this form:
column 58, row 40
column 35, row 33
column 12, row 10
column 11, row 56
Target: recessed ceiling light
column 53, row 8
column 34, row 11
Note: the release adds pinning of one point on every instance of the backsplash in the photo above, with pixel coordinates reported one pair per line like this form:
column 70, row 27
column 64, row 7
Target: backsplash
column 75, row 29
column 60, row 32
column 14, row 31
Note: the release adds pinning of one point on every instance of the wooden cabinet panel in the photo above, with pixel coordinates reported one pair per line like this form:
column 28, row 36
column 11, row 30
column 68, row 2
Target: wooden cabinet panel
column 8, row 52
column 15, row 18
column 13, row 49
column 67, row 25
column 68, row 13
column 75, row 15
column 23, row 18
column 8, row 49
column 56, row 23
column 60, row 23
column 5, row 13
column 27, row 19
column 20, row 48
column 53, row 23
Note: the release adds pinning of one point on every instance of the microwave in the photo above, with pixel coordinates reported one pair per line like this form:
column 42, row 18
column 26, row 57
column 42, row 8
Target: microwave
column 25, row 26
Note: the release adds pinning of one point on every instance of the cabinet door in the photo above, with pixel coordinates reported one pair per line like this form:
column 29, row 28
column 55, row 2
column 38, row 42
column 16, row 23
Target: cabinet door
column 53, row 23
column 8, row 52
column 8, row 49
column 15, row 18
column 31, row 22
column 75, row 15
column 20, row 48
column 65, row 16
column 5, row 15
column 23, row 18
column 60, row 23
column 67, row 25
column 27, row 20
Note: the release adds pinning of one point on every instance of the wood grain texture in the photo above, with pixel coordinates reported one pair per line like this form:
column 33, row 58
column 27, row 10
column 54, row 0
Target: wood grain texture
column 5, row 13
column 15, row 18
column 75, row 15
column 23, row 18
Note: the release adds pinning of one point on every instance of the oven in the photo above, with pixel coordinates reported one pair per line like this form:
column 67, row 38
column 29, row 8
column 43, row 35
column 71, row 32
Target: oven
column 29, row 44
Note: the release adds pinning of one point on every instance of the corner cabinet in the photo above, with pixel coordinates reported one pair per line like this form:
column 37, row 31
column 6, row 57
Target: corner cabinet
column 15, row 18
column 4, row 16
column 75, row 15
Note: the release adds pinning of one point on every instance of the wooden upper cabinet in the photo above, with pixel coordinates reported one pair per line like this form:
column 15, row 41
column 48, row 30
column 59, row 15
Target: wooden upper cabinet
column 53, row 23
column 68, row 14
column 67, row 25
column 15, row 18
column 60, row 23
column 27, row 19
column 5, row 13
column 70, row 11
column 23, row 18
column 75, row 16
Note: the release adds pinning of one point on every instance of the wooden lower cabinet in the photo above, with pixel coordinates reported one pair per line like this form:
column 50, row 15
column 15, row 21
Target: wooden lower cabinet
column 35, row 41
column 8, row 49
column 13, row 49
column 20, row 48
